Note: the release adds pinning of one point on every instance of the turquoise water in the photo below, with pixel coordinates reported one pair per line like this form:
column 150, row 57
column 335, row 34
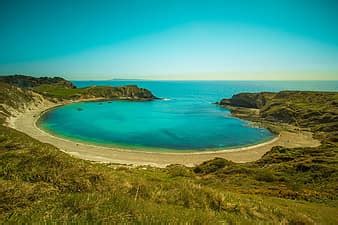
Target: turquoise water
column 186, row 120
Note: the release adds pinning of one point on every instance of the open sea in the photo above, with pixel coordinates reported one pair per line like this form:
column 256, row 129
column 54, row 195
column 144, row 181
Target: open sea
column 186, row 120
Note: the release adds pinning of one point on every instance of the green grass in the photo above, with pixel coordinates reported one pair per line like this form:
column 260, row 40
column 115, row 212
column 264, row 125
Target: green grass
column 59, row 91
column 309, row 174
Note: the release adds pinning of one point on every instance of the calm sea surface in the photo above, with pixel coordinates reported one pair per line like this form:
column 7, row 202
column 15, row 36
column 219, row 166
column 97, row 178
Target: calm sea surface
column 185, row 120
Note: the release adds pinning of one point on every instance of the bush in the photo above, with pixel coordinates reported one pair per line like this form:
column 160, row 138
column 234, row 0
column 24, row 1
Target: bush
column 212, row 166
column 265, row 175
column 179, row 171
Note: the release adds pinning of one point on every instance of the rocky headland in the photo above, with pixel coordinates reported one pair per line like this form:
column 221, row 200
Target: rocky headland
column 314, row 111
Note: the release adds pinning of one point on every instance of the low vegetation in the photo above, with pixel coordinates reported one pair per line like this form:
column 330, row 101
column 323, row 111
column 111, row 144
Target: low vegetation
column 309, row 174
column 41, row 184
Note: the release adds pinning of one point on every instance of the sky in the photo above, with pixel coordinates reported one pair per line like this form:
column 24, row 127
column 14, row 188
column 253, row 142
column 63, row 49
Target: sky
column 172, row 39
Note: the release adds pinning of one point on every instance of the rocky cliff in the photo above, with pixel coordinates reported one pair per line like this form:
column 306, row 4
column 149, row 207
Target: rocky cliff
column 14, row 100
column 128, row 92
column 248, row 100
column 315, row 110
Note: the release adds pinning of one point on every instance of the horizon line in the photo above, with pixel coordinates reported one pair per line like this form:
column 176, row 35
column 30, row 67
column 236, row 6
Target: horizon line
column 303, row 75
column 139, row 79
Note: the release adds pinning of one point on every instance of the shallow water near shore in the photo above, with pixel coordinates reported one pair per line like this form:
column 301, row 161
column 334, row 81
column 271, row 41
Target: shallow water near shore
column 186, row 120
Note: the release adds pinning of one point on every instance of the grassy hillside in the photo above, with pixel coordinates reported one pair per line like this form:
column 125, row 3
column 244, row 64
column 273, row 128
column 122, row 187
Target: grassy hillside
column 310, row 174
column 41, row 184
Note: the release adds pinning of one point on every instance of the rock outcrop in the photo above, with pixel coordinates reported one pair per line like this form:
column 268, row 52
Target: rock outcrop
column 248, row 100
column 132, row 92
column 14, row 100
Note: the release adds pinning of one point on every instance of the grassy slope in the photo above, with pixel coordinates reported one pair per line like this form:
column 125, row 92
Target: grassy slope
column 310, row 174
column 315, row 110
column 39, row 183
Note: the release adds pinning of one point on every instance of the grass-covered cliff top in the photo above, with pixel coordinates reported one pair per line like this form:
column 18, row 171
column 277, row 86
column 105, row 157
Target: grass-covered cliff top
column 60, row 92
column 41, row 184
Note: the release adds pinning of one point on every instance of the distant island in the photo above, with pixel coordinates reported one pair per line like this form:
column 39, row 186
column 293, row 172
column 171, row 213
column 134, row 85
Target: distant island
column 292, row 179
column 129, row 79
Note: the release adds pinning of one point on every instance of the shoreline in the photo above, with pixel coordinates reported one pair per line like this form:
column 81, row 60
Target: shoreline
column 26, row 123
column 148, row 150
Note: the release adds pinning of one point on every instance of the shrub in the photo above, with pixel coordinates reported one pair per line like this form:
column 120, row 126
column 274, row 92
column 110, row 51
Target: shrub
column 265, row 175
column 212, row 166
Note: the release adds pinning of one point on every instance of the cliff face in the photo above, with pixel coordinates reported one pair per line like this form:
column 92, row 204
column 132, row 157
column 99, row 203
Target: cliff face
column 23, row 81
column 14, row 99
column 129, row 92
column 315, row 110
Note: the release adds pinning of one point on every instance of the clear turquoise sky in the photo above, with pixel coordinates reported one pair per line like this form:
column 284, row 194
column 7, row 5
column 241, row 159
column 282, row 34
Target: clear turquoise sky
column 172, row 39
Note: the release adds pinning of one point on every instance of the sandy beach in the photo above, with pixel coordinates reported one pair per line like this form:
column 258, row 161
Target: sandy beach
column 26, row 122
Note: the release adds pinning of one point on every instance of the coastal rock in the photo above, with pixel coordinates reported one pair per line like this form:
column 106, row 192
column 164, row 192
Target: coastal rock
column 248, row 100
column 131, row 92
column 284, row 115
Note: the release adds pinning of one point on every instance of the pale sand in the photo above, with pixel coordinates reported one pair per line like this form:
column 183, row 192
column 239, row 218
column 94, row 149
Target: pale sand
column 26, row 122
